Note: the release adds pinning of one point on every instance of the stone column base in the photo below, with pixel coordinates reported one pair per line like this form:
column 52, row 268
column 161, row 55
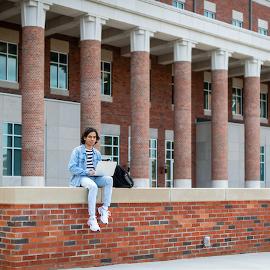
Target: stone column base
column 220, row 183
column 182, row 183
column 252, row 184
column 34, row 181
column 141, row 182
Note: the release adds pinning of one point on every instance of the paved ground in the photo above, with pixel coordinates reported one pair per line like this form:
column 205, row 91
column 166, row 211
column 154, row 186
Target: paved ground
column 250, row 261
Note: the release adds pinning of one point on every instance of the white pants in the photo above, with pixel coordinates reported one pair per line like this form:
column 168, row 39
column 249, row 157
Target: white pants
column 92, row 184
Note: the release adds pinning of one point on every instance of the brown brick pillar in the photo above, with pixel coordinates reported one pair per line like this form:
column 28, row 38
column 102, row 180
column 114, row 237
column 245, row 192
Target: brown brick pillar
column 219, row 125
column 252, row 123
column 182, row 114
column 32, row 89
column 140, row 98
column 90, row 82
column 90, row 96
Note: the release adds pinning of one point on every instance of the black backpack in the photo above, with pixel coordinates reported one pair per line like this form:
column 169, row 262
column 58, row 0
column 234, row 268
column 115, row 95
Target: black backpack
column 121, row 178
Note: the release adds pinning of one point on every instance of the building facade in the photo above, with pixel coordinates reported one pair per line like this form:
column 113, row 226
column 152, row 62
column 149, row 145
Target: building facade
column 177, row 89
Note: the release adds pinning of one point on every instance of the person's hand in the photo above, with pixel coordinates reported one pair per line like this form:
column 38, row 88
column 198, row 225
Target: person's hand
column 91, row 172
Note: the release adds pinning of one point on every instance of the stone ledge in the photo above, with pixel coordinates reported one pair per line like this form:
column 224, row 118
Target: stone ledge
column 66, row 195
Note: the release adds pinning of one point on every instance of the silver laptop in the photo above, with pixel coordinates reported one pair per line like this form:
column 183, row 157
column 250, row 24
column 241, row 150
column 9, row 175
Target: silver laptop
column 105, row 168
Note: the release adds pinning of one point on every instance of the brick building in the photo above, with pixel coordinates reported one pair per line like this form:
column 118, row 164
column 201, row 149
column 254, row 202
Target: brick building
column 178, row 89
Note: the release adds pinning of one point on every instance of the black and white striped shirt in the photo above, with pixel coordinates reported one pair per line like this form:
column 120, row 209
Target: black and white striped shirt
column 89, row 159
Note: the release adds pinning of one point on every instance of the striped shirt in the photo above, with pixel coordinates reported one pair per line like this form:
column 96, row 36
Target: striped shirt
column 89, row 159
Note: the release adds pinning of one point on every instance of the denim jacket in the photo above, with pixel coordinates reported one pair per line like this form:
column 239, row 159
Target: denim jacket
column 77, row 164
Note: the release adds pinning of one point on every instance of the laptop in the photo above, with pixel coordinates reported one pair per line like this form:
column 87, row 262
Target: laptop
column 105, row 168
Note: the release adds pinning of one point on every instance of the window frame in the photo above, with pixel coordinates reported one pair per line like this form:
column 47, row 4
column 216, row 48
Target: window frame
column 153, row 182
column 102, row 78
column 58, row 63
column 208, row 92
column 212, row 14
column 178, row 4
column 237, row 97
column 237, row 23
column 262, row 163
column 12, row 148
column 171, row 162
column 263, row 31
column 111, row 157
column 265, row 102
column 17, row 61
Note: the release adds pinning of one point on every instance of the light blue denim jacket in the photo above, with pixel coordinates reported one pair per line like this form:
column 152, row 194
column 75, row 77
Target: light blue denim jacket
column 77, row 164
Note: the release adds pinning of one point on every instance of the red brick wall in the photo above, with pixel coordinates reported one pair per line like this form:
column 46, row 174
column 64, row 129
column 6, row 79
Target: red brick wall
column 56, row 236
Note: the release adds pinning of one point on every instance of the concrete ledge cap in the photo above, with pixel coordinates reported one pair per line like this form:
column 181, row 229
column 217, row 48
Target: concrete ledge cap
column 66, row 195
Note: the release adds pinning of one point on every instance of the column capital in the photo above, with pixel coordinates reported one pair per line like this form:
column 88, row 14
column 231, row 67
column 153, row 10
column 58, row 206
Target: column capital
column 183, row 50
column 220, row 59
column 140, row 40
column 253, row 67
column 33, row 12
column 91, row 27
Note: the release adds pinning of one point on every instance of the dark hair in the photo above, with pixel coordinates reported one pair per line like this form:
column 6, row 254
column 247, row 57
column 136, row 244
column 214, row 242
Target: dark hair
column 86, row 132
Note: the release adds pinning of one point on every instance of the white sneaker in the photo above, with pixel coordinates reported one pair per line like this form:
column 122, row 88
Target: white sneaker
column 104, row 215
column 92, row 223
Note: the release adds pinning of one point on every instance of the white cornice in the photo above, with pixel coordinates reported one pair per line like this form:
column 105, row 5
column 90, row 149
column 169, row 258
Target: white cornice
column 166, row 20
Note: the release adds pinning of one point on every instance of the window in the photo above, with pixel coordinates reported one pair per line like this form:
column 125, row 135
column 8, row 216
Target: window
column 209, row 14
column 263, row 105
column 106, row 78
column 59, row 71
column 262, row 163
column 109, row 147
column 153, row 162
column 237, row 104
column 207, row 95
column 169, row 163
column 12, row 149
column 8, row 62
column 178, row 4
column 263, row 31
column 237, row 23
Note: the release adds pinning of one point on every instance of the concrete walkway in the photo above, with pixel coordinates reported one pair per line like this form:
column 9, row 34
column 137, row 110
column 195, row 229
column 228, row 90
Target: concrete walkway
column 250, row 261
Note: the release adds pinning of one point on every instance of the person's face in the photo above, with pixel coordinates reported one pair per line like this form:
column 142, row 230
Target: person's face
column 91, row 139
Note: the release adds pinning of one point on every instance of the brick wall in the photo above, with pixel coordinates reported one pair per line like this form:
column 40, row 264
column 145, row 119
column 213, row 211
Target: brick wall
column 51, row 236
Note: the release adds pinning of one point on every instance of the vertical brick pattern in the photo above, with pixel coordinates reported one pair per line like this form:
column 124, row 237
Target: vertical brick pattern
column 182, row 120
column 32, row 88
column 90, row 84
column 252, row 127
column 56, row 236
column 219, row 143
column 140, row 94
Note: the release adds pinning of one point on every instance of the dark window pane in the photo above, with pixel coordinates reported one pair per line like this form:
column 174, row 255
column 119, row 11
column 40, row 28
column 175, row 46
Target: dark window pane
column 108, row 151
column 3, row 47
column 54, row 57
column 63, row 58
column 205, row 85
column 18, row 129
column 18, row 142
column 12, row 49
column 7, row 162
column 3, row 67
column 7, row 141
column 108, row 140
column 115, row 151
column 17, row 162
column 115, row 141
column 106, row 84
column 107, row 67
